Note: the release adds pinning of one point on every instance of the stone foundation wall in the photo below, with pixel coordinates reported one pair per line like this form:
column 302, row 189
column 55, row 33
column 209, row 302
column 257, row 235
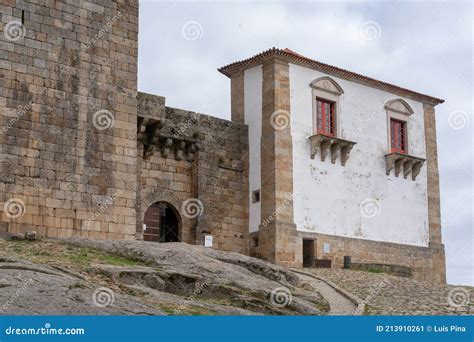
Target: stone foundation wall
column 215, row 177
column 421, row 260
column 222, row 182
column 68, row 140
column 401, row 271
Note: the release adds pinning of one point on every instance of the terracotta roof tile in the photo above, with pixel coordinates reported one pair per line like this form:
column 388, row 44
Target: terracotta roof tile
column 296, row 58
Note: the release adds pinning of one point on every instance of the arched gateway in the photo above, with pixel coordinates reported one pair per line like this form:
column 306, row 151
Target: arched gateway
column 162, row 223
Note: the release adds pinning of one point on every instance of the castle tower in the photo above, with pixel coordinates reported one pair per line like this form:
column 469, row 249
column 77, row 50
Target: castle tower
column 261, row 99
column 340, row 165
column 68, row 138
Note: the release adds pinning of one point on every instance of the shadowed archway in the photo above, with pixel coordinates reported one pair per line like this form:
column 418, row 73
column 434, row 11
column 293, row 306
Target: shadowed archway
column 162, row 223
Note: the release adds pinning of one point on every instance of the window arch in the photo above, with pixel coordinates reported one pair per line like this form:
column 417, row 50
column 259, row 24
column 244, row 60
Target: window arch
column 327, row 84
column 398, row 106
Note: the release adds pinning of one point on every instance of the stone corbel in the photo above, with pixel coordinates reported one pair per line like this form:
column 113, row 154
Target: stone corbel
column 179, row 150
column 148, row 151
column 410, row 164
column 407, row 168
column 335, row 148
column 325, row 144
column 345, row 152
column 398, row 166
column 141, row 127
column 315, row 143
column 180, row 147
column 147, row 132
column 415, row 169
column 165, row 146
column 191, row 150
column 390, row 162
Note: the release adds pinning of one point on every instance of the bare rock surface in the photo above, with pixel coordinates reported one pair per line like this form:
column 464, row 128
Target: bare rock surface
column 28, row 289
column 232, row 278
column 78, row 276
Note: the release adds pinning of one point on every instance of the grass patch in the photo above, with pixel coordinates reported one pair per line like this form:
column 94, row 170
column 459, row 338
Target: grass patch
column 322, row 306
column 50, row 253
column 367, row 311
column 86, row 256
column 375, row 270
column 368, row 269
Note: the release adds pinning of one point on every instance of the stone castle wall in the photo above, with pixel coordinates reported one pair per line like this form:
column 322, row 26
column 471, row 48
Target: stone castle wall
column 72, row 160
column 68, row 117
column 215, row 175
column 422, row 261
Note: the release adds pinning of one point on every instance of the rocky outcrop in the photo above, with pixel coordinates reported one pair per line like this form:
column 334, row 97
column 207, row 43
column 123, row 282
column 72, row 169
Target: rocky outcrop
column 172, row 279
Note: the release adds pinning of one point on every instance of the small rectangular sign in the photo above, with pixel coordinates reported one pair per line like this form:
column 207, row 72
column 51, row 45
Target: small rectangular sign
column 208, row 241
column 326, row 248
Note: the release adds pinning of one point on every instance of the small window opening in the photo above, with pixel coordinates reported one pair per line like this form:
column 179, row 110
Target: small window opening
column 255, row 196
column 398, row 136
column 326, row 117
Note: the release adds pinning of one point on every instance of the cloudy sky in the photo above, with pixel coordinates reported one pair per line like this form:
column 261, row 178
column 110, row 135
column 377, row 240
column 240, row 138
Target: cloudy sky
column 423, row 46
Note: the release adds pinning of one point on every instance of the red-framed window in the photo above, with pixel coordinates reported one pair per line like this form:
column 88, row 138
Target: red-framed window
column 325, row 117
column 398, row 136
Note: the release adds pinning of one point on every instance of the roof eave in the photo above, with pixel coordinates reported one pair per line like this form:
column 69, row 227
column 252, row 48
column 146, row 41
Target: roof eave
column 234, row 68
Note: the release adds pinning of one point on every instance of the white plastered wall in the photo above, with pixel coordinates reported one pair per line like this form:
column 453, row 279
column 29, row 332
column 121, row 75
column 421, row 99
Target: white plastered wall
column 328, row 197
column 253, row 118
